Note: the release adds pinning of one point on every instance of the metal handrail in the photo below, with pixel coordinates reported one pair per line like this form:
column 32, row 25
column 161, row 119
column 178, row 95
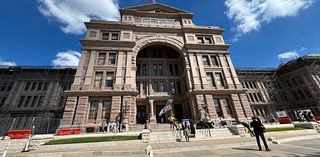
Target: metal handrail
column 205, row 131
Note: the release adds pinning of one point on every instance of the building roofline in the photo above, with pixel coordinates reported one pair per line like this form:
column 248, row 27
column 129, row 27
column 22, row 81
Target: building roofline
column 38, row 67
column 142, row 5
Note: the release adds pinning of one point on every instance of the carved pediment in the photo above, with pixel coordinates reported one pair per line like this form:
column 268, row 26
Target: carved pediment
column 157, row 7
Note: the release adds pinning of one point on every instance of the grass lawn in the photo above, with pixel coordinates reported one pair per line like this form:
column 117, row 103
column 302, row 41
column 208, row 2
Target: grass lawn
column 283, row 129
column 92, row 139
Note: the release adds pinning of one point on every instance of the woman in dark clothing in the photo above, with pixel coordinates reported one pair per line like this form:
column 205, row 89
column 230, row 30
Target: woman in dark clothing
column 259, row 130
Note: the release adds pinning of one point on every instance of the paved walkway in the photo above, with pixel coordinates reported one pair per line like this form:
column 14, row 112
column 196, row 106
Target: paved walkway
column 234, row 147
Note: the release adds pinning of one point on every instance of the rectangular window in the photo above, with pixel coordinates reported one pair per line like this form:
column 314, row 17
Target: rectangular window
column 115, row 36
column 162, row 21
column 171, row 70
column 110, row 78
column 40, row 86
column 214, row 61
column 93, row 112
column 256, row 97
column 200, row 40
column 34, row 101
column 260, row 97
column 107, row 109
column 98, row 80
column 226, row 106
column 137, row 20
column 40, row 101
column 217, row 106
column 112, row 58
column 146, row 20
column 45, row 86
column 161, row 87
column 160, row 69
column 204, row 40
column 144, row 69
column 251, row 97
column 205, row 60
column 27, row 87
column 144, row 88
column 27, row 101
column 101, row 58
column 105, row 35
column 22, row 98
column 154, row 70
column 154, row 21
column 210, row 79
column 219, row 79
column 170, row 21
column 173, row 87
column 155, row 86
column 208, row 40
column 110, row 35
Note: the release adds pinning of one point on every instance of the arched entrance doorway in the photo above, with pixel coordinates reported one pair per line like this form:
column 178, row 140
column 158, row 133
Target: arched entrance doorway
column 160, row 76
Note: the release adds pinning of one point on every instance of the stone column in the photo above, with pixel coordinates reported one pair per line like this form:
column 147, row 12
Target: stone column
column 82, row 112
column 152, row 116
column 200, row 101
column 115, row 108
column 203, row 75
column 68, row 112
column 90, row 73
column 80, row 70
column 128, row 74
column 194, row 71
column 119, row 76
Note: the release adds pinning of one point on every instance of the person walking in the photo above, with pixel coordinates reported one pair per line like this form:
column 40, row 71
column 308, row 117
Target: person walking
column 104, row 125
column 259, row 130
column 186, row 127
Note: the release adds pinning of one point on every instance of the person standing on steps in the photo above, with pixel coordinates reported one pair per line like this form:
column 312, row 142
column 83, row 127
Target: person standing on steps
column 259, row 130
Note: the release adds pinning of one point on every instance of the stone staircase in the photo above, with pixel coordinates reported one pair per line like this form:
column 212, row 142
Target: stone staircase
column 154, row 127
column 162, row 137
column 219, row 133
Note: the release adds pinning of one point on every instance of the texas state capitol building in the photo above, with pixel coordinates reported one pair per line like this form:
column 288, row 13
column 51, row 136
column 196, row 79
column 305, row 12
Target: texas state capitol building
column 129, row 69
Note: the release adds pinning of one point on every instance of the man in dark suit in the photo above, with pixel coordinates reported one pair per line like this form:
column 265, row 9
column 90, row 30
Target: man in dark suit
column 259, row 130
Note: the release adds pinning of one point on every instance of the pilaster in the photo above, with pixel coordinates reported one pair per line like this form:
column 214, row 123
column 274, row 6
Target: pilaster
column 90, row 73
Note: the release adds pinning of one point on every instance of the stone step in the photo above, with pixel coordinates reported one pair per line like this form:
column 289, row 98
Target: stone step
column 160, row 137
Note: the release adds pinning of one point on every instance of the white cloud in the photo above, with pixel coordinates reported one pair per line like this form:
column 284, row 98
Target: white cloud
column 6, row 63
column 68, row 58
column 73, row 13
column 250, row 14
column 288, row 55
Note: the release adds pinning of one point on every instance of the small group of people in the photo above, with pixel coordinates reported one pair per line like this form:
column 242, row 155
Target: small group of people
column 303, row 116
column 110, row 127
column 186, row 126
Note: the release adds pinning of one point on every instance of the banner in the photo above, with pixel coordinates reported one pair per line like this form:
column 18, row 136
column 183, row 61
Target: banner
column 166, row 108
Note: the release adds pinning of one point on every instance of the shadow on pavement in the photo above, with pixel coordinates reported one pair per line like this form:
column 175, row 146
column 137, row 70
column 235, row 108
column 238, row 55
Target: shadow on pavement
column 316, row 154
column 252, row 149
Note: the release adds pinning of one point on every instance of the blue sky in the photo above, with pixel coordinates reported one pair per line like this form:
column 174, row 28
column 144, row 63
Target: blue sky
column 47, row 32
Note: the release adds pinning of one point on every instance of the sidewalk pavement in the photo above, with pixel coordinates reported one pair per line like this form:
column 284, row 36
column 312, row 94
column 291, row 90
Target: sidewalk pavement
column 245, row 147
